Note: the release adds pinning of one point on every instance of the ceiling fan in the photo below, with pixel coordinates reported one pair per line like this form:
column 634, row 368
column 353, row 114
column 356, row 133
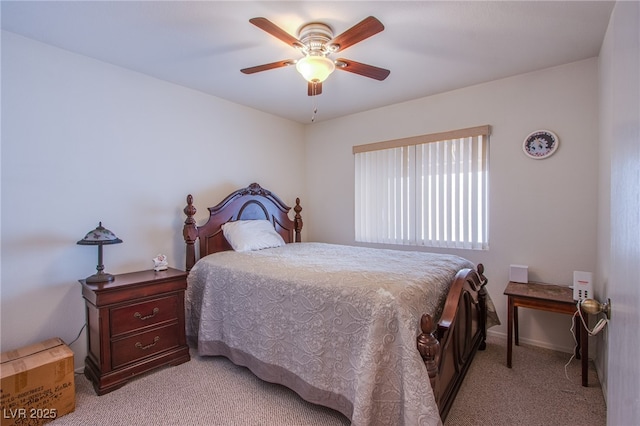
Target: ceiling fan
column 316, row 41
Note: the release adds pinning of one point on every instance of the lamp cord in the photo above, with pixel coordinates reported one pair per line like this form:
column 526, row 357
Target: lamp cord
column 78, row 336
column 74, row 340
column 573, row 333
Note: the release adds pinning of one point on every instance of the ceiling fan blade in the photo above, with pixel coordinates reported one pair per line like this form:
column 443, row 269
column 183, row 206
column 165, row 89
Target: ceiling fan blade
column 362, row 69
column 266, row 67
column 360, row 31
column 268, row 26
column 314, row 89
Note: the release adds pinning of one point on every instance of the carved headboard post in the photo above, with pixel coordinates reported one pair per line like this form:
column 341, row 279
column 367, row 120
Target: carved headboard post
column 190, row 233
column 297, row 220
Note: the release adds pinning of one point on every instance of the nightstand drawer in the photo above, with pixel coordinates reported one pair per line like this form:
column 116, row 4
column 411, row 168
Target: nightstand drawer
column 143, row 345
column 140, row 315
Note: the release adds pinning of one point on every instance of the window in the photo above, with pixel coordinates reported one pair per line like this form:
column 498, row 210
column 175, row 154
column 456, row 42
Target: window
column 429, row 190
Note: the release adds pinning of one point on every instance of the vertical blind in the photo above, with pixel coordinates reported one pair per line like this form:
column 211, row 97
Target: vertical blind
column 429, row 190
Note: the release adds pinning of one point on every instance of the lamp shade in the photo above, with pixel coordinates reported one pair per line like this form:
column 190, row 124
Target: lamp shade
column 315, row 68
column 100, row 235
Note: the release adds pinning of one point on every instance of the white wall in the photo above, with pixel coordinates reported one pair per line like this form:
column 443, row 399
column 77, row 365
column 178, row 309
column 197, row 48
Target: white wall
column 542, row 212
column 84, row 141
column 619, row 220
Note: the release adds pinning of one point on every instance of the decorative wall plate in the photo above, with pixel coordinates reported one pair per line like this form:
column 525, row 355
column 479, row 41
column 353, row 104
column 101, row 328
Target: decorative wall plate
column 540, row 144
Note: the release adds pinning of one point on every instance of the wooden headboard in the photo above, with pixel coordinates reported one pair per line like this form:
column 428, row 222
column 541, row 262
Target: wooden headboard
column 250, row 203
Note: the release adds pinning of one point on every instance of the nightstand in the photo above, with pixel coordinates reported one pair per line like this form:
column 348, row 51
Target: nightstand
column 135, row 324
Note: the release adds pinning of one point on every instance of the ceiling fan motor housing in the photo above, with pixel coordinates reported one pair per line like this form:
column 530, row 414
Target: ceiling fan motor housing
column 314, row 37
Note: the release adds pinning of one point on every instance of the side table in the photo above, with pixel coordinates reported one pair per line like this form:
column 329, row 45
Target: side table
column 545, row 297
column 136, row 324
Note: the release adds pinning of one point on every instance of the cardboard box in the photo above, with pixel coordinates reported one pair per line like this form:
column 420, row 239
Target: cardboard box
column 38, row 383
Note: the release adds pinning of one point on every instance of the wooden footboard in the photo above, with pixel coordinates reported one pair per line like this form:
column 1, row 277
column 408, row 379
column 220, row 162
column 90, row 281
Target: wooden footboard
column 448, row 349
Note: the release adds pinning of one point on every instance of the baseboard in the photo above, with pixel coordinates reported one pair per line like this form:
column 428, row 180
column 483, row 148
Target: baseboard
column 537, row 343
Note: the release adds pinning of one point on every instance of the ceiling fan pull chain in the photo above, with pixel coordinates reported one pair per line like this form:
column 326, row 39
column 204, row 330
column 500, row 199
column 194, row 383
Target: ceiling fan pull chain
column 313, row 99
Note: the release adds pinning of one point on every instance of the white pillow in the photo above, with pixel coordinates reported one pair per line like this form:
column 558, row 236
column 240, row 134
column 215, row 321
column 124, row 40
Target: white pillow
column 247, row 235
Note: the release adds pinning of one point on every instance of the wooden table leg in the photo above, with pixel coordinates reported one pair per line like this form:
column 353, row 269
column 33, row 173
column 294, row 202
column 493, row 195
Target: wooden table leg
column 584, row 349
column 510, row 309
column 515, row 325
column 577, row 327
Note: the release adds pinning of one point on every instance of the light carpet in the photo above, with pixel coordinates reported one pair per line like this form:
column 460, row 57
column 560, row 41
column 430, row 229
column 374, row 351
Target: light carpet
column 213, row 391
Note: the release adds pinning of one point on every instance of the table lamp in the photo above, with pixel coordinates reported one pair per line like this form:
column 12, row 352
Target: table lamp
column 99, row 237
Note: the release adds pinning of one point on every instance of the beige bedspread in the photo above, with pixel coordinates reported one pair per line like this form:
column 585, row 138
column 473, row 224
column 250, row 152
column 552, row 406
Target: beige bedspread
column 337, row 324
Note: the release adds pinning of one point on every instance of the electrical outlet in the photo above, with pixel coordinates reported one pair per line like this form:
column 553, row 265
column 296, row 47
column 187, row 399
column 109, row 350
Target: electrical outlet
column 582, row 285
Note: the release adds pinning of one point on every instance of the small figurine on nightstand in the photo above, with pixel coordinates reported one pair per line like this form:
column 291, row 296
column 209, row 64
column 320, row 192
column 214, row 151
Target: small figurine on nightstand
column 160, row 263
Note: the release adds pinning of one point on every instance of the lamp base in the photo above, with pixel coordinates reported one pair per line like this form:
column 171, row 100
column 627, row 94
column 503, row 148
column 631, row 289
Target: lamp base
column 100, row 277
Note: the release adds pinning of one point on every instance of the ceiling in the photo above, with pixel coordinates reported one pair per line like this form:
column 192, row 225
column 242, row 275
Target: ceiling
column 429, row 46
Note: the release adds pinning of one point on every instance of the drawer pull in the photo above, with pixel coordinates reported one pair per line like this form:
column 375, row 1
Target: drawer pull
column 155, row 340
column 146, row 317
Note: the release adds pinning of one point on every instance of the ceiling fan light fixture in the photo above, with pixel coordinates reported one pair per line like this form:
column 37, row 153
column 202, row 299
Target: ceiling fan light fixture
column 315, row 69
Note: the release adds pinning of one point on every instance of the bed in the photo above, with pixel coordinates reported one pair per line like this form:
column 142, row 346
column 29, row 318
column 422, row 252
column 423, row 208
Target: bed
column 350, row 328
